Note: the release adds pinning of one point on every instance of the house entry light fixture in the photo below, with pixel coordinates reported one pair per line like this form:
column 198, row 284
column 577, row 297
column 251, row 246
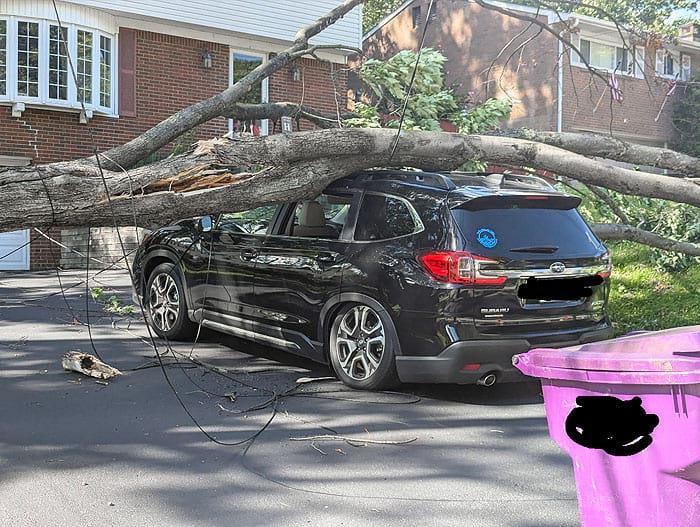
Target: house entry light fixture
column 207, row 59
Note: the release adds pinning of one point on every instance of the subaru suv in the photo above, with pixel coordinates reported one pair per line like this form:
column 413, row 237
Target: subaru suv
column 389, row 276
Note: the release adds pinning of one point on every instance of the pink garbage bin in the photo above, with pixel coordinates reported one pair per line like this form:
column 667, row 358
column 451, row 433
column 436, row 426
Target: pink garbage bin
column 627, row 412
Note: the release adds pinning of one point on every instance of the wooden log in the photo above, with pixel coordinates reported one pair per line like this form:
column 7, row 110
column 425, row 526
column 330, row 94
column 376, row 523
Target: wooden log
column 88, row 365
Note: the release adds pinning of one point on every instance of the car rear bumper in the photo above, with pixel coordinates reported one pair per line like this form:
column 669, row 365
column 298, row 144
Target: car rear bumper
column 492, row 356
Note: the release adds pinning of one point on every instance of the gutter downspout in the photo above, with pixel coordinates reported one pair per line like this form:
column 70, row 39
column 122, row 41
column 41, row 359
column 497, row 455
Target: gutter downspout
column 560, row 85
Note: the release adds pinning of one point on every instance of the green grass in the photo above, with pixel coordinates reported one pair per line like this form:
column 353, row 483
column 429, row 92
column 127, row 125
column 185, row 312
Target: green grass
column 643, row 297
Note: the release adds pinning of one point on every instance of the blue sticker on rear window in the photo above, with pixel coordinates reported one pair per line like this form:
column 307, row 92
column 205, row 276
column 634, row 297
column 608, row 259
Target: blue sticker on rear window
column 487, row 238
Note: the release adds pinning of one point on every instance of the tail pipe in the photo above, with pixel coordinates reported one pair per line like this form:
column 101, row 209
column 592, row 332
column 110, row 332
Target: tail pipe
column 487, row 380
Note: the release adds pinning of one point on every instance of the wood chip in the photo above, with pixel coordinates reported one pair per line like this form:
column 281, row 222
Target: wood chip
column 88, row 365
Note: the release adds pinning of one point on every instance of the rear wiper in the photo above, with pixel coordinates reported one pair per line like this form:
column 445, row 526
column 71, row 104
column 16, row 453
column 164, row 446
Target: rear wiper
column 547, row 249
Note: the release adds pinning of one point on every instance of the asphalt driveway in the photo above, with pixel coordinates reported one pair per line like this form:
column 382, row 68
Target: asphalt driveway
column 76, row 452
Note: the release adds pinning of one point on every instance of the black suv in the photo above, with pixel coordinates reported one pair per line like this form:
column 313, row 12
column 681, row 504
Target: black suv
column 389, row 276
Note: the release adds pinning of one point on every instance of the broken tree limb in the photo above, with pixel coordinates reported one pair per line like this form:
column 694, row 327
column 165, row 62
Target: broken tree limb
column 221, row 104
column 282, row 168
column 88, row 365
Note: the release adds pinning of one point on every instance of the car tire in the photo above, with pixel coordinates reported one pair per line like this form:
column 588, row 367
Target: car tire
column 166, row 304
column 362, row 347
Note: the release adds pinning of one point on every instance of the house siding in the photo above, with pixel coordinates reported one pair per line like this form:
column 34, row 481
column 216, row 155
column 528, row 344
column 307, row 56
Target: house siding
column 270, row 19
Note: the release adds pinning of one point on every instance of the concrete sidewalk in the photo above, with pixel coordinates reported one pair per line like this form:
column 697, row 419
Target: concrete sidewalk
column 75, row 452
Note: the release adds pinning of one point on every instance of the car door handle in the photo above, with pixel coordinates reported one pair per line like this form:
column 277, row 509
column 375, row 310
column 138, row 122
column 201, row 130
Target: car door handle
column 248, row 254
column 328, row 257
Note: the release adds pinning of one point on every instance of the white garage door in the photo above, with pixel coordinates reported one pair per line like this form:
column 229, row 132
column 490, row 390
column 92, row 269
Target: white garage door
column 19, row 259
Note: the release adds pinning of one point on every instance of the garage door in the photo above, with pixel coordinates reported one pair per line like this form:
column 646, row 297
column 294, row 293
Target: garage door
column 19, row 259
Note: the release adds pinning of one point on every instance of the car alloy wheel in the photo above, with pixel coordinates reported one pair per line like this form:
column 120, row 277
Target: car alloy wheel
column 360, row 342
column 164, row 302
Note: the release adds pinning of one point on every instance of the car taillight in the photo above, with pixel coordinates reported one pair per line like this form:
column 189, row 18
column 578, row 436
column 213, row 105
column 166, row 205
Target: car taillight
column 458, row 267
column 607, row 260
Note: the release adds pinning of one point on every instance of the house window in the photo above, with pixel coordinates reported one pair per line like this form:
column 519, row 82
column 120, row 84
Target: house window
column 105, row 71
column 242, row 65
column 609, row 57
column 28, row 59
column 673, row 65
column 84, row 66
column 3, row 57
column 35, row 66
column 415, row 17
column 58, row 63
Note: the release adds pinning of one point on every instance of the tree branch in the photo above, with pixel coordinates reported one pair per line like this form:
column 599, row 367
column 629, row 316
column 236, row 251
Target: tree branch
column 608, row 231
column 221, row 104
column 609, row 147
column 252, row 112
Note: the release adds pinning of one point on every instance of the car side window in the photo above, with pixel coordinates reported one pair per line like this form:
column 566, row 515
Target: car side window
column 254, row 221
column 382, row 218
column 323, row 217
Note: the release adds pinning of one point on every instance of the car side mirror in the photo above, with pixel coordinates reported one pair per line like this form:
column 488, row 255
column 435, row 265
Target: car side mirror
column 205, row 224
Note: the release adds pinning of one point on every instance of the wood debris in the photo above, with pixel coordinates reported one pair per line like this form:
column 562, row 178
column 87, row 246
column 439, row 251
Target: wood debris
column 88, row 365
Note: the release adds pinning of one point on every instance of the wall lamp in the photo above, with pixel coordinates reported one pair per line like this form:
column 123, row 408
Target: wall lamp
column 295, row 72
column 207, row 59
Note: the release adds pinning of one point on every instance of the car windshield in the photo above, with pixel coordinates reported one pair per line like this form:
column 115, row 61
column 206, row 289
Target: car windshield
column 516, row 233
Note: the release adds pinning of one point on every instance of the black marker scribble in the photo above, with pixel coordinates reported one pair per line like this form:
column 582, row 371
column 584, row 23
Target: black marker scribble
column 559, row 288
column 620, row 428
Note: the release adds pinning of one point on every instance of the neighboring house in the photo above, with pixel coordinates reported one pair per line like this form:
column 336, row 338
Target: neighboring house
column 136, row 63
column 552, row 88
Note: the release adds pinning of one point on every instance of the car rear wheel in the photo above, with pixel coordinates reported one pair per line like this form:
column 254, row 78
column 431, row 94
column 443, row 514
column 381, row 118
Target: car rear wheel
column 362, row 348
column 166, row 306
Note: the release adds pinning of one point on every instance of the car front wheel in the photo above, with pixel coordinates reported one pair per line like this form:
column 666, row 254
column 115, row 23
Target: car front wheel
column 362, row 348
column 166, row 306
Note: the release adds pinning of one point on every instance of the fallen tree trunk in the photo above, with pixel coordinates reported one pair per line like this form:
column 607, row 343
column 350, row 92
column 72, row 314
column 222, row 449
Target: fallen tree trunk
column 243, row 173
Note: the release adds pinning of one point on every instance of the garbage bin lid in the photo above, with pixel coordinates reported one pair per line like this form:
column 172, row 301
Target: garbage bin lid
column 661, row 357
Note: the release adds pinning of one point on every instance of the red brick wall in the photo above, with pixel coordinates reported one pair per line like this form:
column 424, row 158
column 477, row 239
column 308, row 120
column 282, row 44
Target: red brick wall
column 322, row 84
column 471, row 38
column 635, row 118
column 169, row 76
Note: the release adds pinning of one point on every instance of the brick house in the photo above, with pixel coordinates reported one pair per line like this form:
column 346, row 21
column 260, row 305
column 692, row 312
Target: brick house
column 551, row 87
column 136, row 63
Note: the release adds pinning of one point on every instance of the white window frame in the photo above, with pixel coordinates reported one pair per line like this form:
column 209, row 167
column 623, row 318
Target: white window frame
column 682, row 60
column 43, row 100
column 265, row 123
column 636, row 53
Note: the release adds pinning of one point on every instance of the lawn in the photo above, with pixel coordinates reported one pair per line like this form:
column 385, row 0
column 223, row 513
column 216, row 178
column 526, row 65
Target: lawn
column 642, row 297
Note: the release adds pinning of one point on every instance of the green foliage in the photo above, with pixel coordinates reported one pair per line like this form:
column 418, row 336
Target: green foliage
column 642, row 297
column 648, row 16
column 677, row 221
column 389, row 80
column 483, row 117
column 374, row 10
column 112, row 304
column 430, row 100
column 686, row 119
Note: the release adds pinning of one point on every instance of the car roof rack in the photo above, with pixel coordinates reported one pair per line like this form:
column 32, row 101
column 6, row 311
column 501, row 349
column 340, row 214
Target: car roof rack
column 500, row 180
column 427, row 179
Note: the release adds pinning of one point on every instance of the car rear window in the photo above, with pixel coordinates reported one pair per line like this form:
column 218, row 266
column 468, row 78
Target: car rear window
column 519, row 233
column 383, row 218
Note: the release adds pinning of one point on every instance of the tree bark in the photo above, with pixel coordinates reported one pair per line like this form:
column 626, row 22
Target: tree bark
column 243, row 173
column 610, row 147
column 608, row 231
